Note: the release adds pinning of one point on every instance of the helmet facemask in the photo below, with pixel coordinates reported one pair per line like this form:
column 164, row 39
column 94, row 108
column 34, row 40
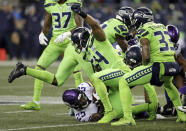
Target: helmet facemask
column 81, row 40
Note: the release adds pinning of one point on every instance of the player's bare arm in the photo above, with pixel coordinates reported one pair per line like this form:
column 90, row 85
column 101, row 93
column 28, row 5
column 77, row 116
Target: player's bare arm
column 122, row 42
column 181, row 61
column 97, row 31
column 145, row 50
column 47, row 23
column 79, row 21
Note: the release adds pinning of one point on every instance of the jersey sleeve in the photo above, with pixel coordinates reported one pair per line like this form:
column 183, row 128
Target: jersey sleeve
column 144, row 33
column 48, row 5
column 71, row 2
column 121, row 30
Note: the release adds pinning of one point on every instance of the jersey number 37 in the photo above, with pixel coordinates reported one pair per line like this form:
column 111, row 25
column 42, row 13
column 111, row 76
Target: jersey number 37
column 58, row 20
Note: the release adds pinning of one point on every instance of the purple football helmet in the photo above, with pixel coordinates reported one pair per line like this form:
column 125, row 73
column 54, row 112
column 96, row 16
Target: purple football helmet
column 173, row 33
column 75, row 98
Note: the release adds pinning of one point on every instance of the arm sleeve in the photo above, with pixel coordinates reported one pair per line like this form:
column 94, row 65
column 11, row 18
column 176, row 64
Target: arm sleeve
column 66, row 67
column 121, row 30
column 144, row 33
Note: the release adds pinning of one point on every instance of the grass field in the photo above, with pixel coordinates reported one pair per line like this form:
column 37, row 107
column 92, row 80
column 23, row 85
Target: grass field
column 53, row 115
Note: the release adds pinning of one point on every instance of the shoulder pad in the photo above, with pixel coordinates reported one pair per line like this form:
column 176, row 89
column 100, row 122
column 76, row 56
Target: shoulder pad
column 49, row 3
column 74, row 1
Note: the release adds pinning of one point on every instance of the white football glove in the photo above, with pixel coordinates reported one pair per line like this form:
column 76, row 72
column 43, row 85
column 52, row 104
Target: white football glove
column 42, row 39
column 62, row 37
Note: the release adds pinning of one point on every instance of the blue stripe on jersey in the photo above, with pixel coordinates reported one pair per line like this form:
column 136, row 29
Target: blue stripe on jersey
column 92, row 41
column 50, row 4
column 111, row 75
column 139, row 74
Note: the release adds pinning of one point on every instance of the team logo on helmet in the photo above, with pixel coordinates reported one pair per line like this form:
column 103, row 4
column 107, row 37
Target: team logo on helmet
column 125, row 15
column 133, row 56
column 141, row 16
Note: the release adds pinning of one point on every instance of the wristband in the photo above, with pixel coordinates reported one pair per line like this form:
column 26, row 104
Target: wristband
column 83, row 14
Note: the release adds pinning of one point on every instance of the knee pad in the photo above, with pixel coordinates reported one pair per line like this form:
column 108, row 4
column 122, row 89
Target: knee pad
column 155, row 75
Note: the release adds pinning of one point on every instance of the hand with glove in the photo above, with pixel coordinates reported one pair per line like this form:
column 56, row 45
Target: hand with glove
column 77, row 9
column 62, row 37
column 43, row 39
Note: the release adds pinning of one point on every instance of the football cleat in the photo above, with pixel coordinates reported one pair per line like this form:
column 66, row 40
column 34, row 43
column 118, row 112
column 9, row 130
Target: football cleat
column 107, row 117
column 124, row 122
column 18, row 71
column 182, row 108
column 181, row 118
column 169, row 110
column 31, row 106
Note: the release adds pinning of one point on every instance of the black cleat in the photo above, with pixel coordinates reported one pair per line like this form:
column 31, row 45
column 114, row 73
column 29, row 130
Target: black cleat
column 169, row 110
column 18, row 71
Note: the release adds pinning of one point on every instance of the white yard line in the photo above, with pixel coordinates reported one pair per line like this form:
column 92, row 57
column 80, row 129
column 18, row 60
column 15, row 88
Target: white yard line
column 61, row 114
column 30, row 63
column 51, row 126
column 17, row 111
column 70, row 125
column 17, row 100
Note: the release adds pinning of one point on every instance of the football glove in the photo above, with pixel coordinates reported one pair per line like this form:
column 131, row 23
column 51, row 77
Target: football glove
column 62, row 37
column 42, row 39
column 77, row 9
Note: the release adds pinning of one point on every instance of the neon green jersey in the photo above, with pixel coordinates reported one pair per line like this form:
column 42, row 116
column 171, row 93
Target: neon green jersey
column 62, row 16
column 161, row 48
column 112, row 27
column 99, row 53
column 102, row 54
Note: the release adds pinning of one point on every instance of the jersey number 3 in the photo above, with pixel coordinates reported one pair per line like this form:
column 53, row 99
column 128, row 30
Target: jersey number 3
column 58, row 19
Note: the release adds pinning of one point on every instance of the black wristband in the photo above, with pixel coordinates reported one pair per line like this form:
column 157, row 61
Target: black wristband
column 83, row 14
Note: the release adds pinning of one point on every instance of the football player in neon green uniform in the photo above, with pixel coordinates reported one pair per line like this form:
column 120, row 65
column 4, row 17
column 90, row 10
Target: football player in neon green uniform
column 63, row 21
column 116, row 30
column 91, row 54
column 158, row 65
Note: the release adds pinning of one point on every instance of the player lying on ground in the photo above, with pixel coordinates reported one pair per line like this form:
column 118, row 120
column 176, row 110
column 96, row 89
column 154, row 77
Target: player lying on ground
column 63, row 22
column 88, row 107
column 158, row 59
